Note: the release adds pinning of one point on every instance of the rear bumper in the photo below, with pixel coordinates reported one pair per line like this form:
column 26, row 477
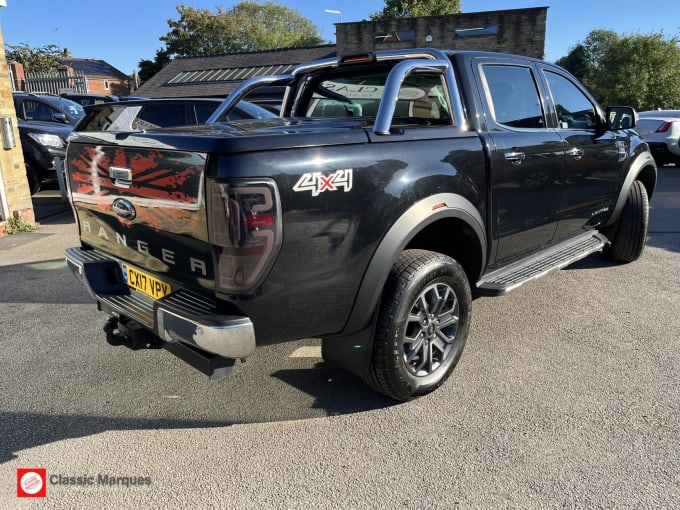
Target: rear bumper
column 664, row 152
column 182, row 316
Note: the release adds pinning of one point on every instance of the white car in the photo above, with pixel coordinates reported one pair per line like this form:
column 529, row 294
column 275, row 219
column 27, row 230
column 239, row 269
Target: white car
column 662, row 132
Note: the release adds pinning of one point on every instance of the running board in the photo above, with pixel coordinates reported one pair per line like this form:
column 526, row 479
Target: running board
column 510, row 277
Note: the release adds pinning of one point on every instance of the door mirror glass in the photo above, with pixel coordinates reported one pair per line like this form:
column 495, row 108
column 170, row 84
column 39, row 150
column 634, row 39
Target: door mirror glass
column 621, row 117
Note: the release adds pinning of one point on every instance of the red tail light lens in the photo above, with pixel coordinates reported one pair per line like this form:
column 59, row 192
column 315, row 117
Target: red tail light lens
column 665, row 127
column 245, row 227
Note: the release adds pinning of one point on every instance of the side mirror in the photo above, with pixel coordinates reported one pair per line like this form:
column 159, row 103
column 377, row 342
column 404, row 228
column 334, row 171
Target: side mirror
column 59, row 117
column 621, row 117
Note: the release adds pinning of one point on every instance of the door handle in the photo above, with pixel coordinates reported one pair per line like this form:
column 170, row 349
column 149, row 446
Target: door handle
column 575, row 153
column 515, row 157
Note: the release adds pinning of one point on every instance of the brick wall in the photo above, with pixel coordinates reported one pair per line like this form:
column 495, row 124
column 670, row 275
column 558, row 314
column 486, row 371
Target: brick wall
column 116, row 87
column 518, row 31
column 13, row 178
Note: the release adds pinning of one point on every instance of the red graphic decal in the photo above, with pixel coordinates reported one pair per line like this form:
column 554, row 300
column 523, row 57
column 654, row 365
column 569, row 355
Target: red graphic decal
column 172, row 179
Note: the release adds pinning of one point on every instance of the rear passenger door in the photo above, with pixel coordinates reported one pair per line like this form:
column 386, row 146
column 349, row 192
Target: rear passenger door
column 526, row 157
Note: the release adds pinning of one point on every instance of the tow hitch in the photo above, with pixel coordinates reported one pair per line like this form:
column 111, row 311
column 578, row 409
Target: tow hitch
column 131, row 334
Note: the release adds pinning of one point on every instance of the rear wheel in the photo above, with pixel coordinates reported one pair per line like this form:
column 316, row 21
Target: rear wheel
column 422, row 327
column 630, row 235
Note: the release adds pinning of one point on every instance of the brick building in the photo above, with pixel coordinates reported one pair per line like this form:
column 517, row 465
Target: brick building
column 519, row 31
column 102, row 77
column 81, row 75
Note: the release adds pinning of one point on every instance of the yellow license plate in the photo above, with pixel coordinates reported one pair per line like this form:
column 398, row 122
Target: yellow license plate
column 144, row 282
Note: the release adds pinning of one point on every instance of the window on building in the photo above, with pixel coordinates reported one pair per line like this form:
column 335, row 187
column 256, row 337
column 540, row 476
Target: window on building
column 487, row 30
column 395, row 36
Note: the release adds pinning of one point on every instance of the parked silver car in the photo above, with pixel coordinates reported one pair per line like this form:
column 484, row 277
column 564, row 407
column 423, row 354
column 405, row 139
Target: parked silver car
column 662, row 132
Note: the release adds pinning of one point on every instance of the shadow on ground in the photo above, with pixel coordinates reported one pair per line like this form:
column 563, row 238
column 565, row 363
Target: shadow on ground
column 330, row 394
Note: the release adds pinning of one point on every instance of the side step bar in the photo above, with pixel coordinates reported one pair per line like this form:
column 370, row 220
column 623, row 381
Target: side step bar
column 561, row 255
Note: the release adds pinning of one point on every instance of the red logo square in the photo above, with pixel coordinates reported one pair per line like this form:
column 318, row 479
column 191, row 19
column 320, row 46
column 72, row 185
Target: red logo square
column 31, row 482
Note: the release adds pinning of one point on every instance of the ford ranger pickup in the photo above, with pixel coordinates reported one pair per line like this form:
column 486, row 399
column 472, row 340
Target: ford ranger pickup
column 393, row 188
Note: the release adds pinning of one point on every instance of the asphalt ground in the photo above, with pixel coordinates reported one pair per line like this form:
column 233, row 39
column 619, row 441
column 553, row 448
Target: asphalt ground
column 566, row 397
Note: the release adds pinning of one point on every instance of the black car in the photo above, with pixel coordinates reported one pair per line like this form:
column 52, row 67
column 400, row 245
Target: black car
column 147, row 114
column 44, row 123
column 46, row 108
column 90, row 99
column 42, row 142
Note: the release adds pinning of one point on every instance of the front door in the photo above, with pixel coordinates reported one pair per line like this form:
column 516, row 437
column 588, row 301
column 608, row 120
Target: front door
column 592, row 159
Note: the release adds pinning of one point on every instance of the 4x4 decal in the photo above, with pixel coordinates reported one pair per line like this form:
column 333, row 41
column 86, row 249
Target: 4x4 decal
column 317, row 182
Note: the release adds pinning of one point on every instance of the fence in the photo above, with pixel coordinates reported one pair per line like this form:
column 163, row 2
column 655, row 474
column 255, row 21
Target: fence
column 56, row 83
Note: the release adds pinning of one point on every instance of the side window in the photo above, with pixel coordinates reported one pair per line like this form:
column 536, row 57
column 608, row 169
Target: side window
column 36, row 110
column 513, row 96
column 574, row 110
column 204, row 111
column 161, row 115
column 19, row 108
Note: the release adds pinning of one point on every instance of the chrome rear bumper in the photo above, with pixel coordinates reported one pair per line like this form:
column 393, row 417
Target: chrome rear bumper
column 182, row 316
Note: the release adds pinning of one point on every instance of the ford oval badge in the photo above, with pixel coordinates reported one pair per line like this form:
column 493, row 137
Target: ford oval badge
column 124, row 209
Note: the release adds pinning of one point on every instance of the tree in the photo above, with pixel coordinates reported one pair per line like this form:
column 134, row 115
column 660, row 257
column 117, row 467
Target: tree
column 44, row 59
column 248, row 26
column 148, row 68
column 640, row 70
column 414, row 8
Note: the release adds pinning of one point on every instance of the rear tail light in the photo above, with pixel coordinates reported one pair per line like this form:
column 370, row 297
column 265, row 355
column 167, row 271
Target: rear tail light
column 665, row 127
column 245, row 228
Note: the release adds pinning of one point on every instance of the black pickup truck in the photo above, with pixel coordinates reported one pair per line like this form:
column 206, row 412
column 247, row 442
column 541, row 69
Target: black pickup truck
column 394, row 187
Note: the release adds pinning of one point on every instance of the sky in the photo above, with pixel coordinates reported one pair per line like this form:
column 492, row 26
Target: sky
column 123, row 32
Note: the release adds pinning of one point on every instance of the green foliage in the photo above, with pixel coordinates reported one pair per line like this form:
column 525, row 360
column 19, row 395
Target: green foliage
column 247, row 26
column 639, row 70
column 44, row 59
column 414, row 8
column 148, row 68
column 16, row 224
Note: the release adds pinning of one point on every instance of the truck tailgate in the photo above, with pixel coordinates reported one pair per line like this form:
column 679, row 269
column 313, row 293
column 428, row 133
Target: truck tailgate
column 145, row 206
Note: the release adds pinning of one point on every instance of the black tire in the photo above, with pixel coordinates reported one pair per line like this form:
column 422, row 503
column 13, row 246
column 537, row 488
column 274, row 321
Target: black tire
column 630, row 235
column 423, row 323
column 33, row 179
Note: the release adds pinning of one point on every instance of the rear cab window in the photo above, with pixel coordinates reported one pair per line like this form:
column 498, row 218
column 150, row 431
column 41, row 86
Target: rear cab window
column 422, row 97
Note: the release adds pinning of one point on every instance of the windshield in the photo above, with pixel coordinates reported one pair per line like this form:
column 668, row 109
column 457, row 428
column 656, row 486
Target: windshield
column 70, row 108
